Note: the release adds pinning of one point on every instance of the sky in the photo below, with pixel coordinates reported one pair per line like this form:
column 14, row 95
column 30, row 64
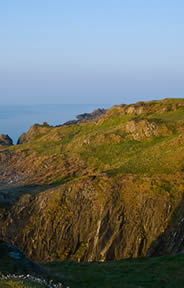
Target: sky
column 90, row 51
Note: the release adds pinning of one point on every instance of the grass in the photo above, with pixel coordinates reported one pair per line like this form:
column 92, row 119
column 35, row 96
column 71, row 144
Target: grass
column 18, row 284
column 131, row 156
column 169, row 116
column 162, row 272
column 104, row 152
column 104, row 145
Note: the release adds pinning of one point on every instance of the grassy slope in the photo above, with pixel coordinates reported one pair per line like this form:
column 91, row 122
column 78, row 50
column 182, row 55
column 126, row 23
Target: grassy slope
column 18, row 284
column 126, row 154
column 104, row 146
column 162, row 272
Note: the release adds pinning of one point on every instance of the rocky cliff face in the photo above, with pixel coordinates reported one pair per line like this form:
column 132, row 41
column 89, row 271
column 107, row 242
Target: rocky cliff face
column 110, row 188
column 91, row 220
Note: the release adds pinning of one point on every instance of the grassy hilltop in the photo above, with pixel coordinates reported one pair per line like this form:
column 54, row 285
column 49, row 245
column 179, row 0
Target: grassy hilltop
column 115, row 143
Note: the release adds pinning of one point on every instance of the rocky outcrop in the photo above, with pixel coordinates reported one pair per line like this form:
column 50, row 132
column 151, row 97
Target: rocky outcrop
column 5, row 140
column 71, row 122
column 145, row 108
column 91, row 116
column 22, row 168
column 34, row 131
column 86, row 117
column 135, row 109
column 141, row 129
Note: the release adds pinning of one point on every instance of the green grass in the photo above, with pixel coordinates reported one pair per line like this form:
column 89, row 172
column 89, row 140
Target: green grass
column 18, row 284
column 173, row 100
column 153, row 155
column 169, row 116
column 162, row 272
column 131, row 156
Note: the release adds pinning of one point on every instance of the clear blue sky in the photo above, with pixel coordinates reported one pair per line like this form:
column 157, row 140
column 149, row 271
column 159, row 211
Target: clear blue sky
column 90, row 51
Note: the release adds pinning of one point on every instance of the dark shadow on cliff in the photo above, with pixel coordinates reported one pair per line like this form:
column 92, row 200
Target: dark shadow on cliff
column 10, row 194
column 171, row 241
column 12, row 260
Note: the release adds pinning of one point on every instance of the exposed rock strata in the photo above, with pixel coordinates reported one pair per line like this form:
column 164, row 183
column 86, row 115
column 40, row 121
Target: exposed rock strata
column 80, row 221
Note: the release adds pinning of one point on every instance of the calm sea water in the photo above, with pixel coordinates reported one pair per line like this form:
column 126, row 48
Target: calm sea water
column 14, row 120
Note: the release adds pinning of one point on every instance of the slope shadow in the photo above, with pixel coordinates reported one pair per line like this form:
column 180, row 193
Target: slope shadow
column 12, row 260
column 171, row 241
column 10, row 194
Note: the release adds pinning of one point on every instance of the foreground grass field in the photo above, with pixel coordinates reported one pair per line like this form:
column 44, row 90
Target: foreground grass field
column 162, row 272
column 18, row 284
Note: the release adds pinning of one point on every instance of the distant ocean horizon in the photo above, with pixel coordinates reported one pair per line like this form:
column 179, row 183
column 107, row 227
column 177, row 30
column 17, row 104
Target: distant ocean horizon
column 17, row 119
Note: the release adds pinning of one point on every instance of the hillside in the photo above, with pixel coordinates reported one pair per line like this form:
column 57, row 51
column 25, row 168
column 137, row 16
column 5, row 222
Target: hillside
column 106, row 188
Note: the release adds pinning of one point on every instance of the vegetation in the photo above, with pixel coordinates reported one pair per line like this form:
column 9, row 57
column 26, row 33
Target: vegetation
column 162, row 272
column 108, row 144
column 105, row 144
column 104, row 189
column 18, row 284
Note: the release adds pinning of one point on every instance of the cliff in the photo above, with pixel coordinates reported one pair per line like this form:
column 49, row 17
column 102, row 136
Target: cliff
column 107, row 188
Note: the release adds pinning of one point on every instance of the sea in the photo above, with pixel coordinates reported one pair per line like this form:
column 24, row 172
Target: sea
column 16, row 119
